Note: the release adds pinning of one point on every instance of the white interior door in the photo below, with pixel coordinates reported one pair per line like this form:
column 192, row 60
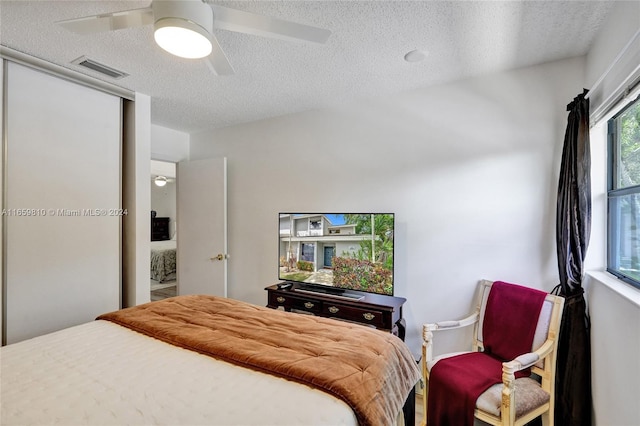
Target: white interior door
column 202, row 227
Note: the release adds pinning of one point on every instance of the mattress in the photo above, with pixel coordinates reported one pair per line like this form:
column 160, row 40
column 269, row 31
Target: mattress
column 100, row 373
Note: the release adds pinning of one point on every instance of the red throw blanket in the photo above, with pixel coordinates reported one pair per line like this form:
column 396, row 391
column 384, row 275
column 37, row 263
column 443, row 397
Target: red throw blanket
column 455, row 383
column 510, row 319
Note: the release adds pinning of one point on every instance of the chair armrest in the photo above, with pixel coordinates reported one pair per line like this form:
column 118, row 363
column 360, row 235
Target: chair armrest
column 450, row 325
column 509, row 369
column 428, row 329
column 521, row 362
column 524, row 361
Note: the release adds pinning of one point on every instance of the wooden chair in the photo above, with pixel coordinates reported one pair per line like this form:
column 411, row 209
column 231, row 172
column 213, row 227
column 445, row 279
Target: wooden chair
column 514, row 401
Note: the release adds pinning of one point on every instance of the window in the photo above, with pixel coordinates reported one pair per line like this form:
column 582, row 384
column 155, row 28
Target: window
column 307, row 252
column 315, row 227
column 623, row 216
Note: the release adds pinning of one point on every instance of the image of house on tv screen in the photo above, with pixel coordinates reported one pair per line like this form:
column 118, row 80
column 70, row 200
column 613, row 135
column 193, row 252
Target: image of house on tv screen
column 345, row 251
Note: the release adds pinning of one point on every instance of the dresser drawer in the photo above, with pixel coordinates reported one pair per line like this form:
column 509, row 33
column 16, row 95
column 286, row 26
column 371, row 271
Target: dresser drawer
column 364, row 316
column 291, row 302
column 276, row 299
column 314, row 306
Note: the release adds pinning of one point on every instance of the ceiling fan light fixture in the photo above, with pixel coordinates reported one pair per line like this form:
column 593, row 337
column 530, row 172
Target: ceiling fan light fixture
column 182, row 38
column 160, row 181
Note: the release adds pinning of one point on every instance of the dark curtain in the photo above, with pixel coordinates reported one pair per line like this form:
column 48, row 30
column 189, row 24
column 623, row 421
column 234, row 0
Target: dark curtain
column 573, row 226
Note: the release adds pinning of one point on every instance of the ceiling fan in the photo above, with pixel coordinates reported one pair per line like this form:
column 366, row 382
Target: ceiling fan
column 185, row 28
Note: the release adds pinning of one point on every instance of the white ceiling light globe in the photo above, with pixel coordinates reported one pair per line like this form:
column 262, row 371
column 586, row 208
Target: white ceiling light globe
column 182, row 38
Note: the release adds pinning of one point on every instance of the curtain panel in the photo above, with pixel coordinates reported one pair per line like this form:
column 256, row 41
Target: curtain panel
column 573, row 227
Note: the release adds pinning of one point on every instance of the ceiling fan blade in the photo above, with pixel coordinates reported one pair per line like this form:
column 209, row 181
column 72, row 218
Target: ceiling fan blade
column 217, row 61
column 236, row 20
column 109, row 21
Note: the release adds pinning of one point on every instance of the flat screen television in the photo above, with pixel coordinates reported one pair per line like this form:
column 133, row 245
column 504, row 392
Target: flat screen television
column 337, row 252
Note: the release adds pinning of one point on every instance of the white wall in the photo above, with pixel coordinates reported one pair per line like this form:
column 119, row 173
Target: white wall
column 614, row 306
column 614, row 310
column 163, row 201
column 469, row 168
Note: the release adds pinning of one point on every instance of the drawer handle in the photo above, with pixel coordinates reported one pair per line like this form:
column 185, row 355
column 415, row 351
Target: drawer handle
column 333, row 309
column 280, row 299
column 368, row 316
column 308, row 305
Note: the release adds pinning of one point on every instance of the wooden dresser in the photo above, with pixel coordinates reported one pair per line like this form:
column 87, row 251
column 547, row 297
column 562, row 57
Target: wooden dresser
column 374, row 310
column 159, row 228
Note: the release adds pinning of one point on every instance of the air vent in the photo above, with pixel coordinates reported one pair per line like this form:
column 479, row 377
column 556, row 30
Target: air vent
column 83, row 61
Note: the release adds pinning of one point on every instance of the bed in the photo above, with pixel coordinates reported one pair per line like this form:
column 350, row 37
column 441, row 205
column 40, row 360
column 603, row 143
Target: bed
column 163, row 260
column 212, row 361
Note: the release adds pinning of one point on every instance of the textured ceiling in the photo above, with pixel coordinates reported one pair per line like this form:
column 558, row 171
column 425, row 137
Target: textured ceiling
column 363, row 57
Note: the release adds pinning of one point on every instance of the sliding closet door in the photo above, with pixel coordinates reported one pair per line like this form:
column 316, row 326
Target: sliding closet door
column 62, row 195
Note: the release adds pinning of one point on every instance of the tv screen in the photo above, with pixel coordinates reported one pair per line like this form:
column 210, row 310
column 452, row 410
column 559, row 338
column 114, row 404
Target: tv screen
column 341, row 251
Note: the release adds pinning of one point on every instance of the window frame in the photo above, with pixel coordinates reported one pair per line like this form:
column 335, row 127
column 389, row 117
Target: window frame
column 613, row 192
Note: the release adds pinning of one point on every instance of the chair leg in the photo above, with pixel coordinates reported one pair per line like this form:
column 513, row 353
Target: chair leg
column 547, row 419
column 424, row 404
column 425, row 383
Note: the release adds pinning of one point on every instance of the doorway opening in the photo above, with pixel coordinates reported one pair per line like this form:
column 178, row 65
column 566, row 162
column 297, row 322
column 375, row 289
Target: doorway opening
column 164, row 232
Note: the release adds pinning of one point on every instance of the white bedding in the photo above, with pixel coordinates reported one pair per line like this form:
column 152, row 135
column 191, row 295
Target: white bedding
column 163, row 245
column 100, row 373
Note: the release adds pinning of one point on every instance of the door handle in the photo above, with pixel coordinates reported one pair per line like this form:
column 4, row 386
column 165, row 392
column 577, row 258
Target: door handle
column 220, row 256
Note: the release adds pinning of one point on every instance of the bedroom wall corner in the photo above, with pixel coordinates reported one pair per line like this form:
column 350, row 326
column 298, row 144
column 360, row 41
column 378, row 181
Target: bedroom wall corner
column 169, row 144
column 619, row 29
column 137, row 201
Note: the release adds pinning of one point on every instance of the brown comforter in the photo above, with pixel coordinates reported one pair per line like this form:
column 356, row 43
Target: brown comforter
column 370, row 370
